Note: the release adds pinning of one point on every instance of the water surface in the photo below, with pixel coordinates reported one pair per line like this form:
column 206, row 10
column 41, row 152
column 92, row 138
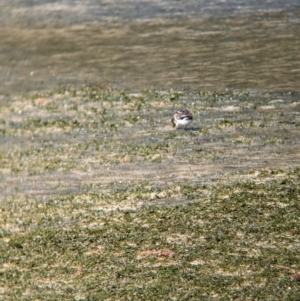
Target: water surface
column 136, row 45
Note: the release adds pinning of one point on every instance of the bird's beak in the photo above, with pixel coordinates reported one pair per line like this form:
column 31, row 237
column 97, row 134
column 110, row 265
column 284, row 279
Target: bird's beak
column 173, row 122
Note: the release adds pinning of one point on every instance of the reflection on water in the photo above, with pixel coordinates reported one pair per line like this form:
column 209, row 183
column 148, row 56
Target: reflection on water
column 141, row 44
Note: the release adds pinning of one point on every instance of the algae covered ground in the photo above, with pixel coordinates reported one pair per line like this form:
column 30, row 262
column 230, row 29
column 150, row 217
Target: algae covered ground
column 101, row 199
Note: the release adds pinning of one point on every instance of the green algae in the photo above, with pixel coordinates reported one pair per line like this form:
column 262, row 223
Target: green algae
column 101, row 199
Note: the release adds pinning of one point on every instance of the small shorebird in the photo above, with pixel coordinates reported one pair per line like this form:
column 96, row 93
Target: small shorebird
column 182, row 118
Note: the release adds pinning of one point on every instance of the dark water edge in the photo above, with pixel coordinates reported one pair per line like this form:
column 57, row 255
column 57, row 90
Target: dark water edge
column 54, row 13
column 136, row 46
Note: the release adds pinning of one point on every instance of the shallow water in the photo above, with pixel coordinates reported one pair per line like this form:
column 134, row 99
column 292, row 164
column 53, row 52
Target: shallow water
column 194, row 45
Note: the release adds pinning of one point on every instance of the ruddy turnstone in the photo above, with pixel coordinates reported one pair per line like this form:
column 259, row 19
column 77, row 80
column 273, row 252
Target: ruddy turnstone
column 182, row 118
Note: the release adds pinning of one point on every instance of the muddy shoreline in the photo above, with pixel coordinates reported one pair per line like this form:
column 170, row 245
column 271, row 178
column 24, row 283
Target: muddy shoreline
column 95, row 139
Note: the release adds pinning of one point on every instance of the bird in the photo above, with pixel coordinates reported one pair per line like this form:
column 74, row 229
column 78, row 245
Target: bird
column 182, row 118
